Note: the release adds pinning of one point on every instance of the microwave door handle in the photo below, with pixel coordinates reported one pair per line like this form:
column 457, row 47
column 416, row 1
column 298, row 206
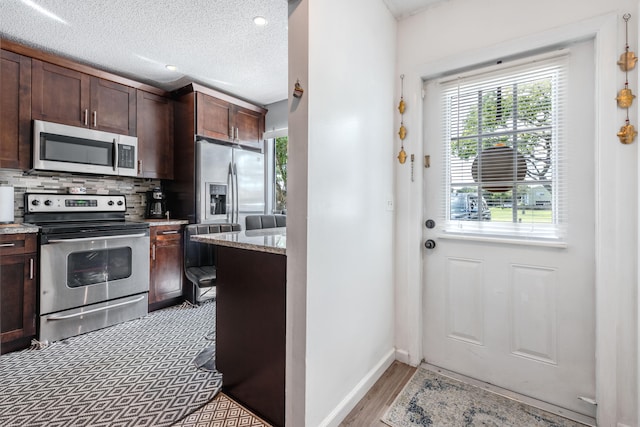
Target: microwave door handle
column 115, row 154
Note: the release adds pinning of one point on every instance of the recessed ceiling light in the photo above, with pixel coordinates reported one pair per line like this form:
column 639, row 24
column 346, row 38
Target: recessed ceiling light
column 44, row 11
column 260, row 21
column 171, row 67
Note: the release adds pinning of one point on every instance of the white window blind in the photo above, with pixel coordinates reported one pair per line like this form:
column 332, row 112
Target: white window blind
column 503, row 143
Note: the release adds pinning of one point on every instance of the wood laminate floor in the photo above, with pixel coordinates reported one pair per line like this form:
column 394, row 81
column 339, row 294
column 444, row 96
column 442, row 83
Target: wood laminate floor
column 377, row 400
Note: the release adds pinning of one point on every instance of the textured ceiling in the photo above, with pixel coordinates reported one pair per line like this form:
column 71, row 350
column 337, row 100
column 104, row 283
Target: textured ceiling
column 213, row 42
column 403, row 8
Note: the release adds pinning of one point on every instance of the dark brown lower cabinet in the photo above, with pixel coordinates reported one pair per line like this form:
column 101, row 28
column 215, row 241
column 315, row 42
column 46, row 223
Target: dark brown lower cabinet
column 250, row 329
column 165, row 276
column 18, row 273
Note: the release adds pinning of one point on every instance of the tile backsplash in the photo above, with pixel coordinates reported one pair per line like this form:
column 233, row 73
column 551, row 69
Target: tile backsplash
column 53, row 182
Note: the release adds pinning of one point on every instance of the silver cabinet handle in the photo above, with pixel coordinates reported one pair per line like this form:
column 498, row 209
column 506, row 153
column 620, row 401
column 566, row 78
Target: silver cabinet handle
column 153, row 252
column 237, row 134
column 30, row 268
column 95, row 119
column 231, row 131
column 169, row 232
column 86, row 116
column 82, row 313
column 7, row 245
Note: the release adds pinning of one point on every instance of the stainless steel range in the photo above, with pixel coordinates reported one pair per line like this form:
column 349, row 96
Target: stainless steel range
column 94, row 265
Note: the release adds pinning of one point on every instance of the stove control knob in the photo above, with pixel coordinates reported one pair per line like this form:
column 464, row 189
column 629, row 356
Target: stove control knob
column 110, row 203
column 47, row 202
column 35, row 202
column 120, row 203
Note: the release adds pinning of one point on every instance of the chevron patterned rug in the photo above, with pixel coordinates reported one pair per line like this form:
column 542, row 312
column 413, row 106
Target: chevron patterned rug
column 137, row 373
column 431, row 399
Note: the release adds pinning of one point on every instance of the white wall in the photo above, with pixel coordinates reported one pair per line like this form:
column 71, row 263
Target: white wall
column 346, row 143
column 457, row 29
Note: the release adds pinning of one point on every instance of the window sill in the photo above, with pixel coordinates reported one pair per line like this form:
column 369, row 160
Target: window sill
column 509, row 240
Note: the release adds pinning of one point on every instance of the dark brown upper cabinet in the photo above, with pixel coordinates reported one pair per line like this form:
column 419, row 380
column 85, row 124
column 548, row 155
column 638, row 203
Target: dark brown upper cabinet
column 70, row 97
column 227, row 121
column 15, row 122
column 155, row 136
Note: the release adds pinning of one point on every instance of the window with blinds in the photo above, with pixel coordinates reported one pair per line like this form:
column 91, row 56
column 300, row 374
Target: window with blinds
column 503, row 144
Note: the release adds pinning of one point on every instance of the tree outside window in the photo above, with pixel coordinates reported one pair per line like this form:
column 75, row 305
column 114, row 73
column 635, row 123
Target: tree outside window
column 281, row 157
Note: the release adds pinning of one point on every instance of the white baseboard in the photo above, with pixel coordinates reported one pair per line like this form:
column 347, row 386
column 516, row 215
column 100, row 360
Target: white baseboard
column 340, row 412
column 402, row 356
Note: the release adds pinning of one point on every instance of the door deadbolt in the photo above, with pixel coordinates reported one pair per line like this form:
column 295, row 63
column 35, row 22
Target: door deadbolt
column 430, row 244
column 430, row 223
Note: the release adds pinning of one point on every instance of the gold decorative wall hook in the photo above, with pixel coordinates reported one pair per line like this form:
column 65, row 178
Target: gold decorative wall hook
column 402, row 156
column 402, row 105
column 402, row 132
column 625, row 98
column 627, row 133
column 628, row 61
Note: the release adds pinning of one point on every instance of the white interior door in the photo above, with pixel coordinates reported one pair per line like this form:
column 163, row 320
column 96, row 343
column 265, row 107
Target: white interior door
column 515, row 313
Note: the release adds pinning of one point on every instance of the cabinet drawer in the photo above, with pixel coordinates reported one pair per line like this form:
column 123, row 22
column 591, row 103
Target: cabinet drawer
column 16, row 244
column 167, row 233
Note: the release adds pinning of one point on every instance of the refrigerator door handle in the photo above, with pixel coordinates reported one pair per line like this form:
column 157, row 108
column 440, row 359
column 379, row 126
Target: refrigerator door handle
column 231, row 194
column 236, row 192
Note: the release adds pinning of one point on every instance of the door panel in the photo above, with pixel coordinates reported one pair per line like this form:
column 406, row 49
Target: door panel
column 508, row 312
column 250, row 175
column 213, row 172
column 113, row 107
column 60, row 95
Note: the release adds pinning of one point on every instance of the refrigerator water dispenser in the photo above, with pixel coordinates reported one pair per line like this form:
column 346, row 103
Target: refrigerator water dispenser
column 217, row 199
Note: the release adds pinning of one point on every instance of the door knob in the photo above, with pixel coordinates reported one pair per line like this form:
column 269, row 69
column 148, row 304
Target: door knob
column 430, row 244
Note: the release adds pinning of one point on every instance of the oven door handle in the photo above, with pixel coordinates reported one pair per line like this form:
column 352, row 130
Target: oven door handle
column 94, row 310
column 86, row 239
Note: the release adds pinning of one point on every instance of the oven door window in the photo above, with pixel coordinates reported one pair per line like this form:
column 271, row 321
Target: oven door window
column 98, row 266
column 76, row 150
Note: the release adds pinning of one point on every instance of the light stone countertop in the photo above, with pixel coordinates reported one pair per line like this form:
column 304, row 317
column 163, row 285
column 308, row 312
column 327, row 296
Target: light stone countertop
column 271, row 240
column 18, row 228
column 158, row 222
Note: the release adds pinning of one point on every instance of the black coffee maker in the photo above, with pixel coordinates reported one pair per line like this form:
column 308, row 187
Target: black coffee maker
column 156, row 204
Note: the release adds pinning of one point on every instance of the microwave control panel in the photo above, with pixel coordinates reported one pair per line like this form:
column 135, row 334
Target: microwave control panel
column 126, row 156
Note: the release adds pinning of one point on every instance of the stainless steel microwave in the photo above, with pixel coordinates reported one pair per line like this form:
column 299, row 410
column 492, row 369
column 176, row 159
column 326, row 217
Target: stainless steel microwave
column 58, row 147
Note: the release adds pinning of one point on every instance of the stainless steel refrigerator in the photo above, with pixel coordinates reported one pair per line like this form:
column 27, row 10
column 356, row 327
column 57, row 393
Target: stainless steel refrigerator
column 230, row 183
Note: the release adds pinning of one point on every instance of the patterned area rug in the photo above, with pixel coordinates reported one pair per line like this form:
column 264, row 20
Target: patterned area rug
column 137, row 373
column 430, row 399
column 222, row 412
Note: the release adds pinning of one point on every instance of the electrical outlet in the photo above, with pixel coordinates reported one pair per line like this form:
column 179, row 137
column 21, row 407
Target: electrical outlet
column 390, row 204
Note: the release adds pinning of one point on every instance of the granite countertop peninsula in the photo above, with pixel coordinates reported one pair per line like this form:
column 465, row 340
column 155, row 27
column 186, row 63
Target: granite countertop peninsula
column 158, row 222
column 271, row 240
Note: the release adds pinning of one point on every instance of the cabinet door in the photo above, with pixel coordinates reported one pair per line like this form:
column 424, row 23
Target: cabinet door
column 213, row 117
column 250, row 125
column 15, row 105
column 17, row 297
column 113, row 107
column 166, row 264
column 155, row 136
column 59, row 94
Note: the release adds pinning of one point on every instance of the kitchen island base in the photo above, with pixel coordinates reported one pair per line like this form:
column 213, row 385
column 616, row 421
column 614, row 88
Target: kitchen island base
column 250, row 329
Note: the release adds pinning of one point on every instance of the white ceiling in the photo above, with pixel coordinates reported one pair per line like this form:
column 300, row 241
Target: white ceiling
column 212, row 42
column 403, row 8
